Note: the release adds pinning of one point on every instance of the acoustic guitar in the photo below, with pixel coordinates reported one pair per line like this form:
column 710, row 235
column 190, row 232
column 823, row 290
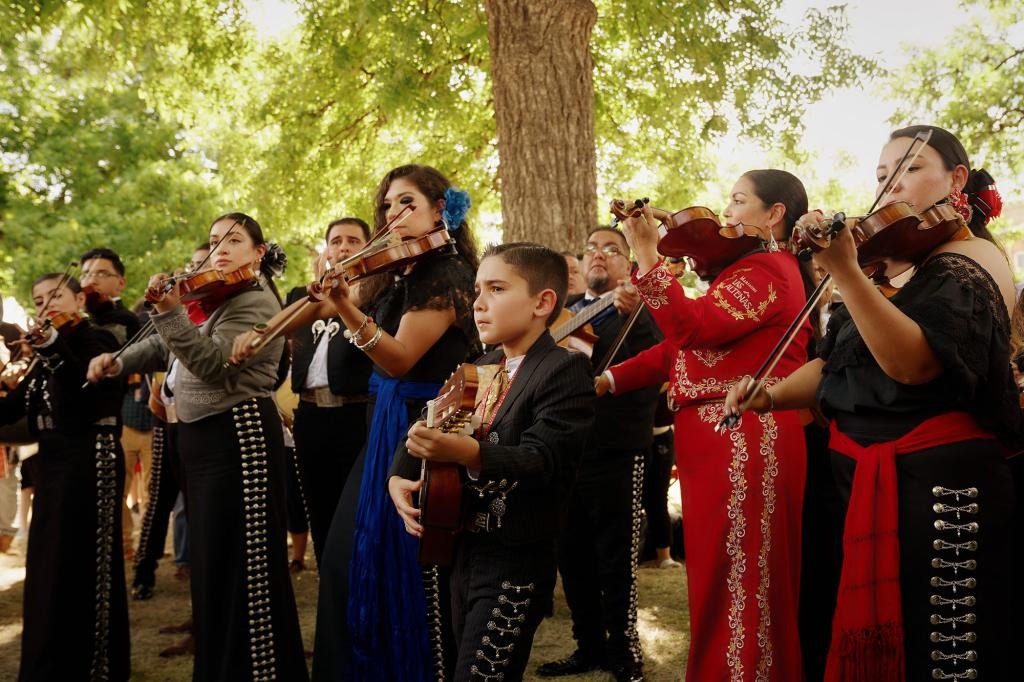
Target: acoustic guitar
column 574, row 331
column 440, row 497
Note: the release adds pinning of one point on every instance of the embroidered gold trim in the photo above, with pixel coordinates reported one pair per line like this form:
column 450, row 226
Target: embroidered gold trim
column 710, row 358
column 769, row 434
column 653, row 285
column 737, row 557
column 741, row 289
column 684, row 388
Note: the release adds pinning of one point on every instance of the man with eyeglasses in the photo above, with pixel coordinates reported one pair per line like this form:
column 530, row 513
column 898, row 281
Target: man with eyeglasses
column 599, row 543
column 103, row 281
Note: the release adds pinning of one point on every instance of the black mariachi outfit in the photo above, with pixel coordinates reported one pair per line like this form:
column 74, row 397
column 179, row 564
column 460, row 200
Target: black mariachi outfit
column 76, row 608
column 600, row 543
column 116, row 319
column 955, row 500
column 327, row 438
column 435, row 283
column 165, row 483
column 230, row 441
column 503, row 574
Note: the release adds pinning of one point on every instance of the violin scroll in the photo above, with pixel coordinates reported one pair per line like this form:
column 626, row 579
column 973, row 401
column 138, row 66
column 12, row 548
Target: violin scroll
column 814, row 238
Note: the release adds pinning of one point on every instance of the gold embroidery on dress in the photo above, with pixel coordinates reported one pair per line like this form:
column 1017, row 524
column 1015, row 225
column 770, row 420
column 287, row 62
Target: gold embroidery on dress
column 710, row 358
column 711, row 413
column 737, row 557
column 653, row 285
column 684, row 388
column 742, row 290
column 769, row 434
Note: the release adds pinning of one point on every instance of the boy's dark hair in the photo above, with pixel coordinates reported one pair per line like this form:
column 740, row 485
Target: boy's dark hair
column 346, row 221
column 106, row 253
column 71, row 282
column 541, row 267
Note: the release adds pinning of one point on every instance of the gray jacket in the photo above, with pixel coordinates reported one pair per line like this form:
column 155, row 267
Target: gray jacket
column 204, row 386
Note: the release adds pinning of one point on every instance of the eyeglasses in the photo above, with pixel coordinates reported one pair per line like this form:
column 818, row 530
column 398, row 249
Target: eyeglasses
column 99, row 274
column 610, row 251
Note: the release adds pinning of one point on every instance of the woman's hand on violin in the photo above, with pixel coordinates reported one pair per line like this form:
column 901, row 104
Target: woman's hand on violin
column 103, row 366
column 39, row 335
column 162, row 300
column 642, row 236
column 738, row 394
column 602, row 385
column 840, row 258
column 331, row 287
column 401, row 490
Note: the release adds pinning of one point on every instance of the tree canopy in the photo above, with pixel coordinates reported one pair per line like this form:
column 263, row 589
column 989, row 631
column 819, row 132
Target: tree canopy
column 132, row 123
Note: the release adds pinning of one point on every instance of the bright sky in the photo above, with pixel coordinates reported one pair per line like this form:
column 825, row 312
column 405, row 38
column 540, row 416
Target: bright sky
column 846, row 130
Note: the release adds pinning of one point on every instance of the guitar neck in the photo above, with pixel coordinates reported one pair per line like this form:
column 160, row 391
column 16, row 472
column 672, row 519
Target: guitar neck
column 583, row 317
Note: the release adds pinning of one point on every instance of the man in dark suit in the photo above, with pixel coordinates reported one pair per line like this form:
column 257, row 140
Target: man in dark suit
column 331, row 377
column 599, row 546
column 102, row 282
column 534, row 414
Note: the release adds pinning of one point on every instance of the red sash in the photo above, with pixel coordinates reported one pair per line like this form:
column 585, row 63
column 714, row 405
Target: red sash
column 867, row 630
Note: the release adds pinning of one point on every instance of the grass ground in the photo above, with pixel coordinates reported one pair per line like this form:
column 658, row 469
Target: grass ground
column 663, row 624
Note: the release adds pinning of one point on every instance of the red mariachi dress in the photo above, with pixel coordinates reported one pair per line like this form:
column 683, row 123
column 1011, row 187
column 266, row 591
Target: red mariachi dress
column 742, row 490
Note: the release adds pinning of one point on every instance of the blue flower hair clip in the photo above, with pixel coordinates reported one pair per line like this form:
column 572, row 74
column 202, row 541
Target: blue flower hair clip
column 456, row 205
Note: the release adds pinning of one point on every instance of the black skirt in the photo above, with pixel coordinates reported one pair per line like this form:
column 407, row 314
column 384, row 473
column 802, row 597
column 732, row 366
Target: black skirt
column 956, row 504
column 76, row 606
column 244, row 618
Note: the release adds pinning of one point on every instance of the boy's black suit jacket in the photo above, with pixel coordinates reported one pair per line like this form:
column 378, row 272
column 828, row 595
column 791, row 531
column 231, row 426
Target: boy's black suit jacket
column 536, row 440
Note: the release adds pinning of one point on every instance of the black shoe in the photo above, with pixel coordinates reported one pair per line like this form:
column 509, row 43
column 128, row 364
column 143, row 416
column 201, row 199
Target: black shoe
column 142, row 592
column 574, row 664
column 628, row 672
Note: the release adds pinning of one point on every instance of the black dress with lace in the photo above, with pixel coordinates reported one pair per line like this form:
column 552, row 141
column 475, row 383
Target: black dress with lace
column 435, row 283
column 438, row 283
column 955, row 500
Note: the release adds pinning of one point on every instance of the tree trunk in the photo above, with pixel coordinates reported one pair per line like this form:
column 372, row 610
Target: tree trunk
column 544, row 103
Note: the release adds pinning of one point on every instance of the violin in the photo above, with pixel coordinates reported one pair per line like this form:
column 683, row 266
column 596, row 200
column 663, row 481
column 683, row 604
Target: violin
column 96, row 303
column 211, row 287
column 890, row 240
column 697, row 233
column 24, row 358
column 62, row 322
column 375, row 261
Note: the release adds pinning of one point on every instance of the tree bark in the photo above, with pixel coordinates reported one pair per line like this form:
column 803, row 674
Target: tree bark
column 542, row 75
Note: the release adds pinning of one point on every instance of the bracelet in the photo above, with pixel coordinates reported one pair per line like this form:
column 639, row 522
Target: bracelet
column 372, row 343
column 352, row 336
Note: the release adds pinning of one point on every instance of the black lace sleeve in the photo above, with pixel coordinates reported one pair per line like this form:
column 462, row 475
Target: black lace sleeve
column 959, row 308
column 961, row 312
column 441, row 283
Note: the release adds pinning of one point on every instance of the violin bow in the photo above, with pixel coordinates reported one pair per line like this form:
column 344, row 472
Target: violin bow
column 270, row 333
column 620, row 338
column 838, row 223
column 61, row 283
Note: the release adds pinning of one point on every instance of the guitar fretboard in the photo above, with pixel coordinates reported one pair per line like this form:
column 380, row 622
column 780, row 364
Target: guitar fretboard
column 584, row 316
